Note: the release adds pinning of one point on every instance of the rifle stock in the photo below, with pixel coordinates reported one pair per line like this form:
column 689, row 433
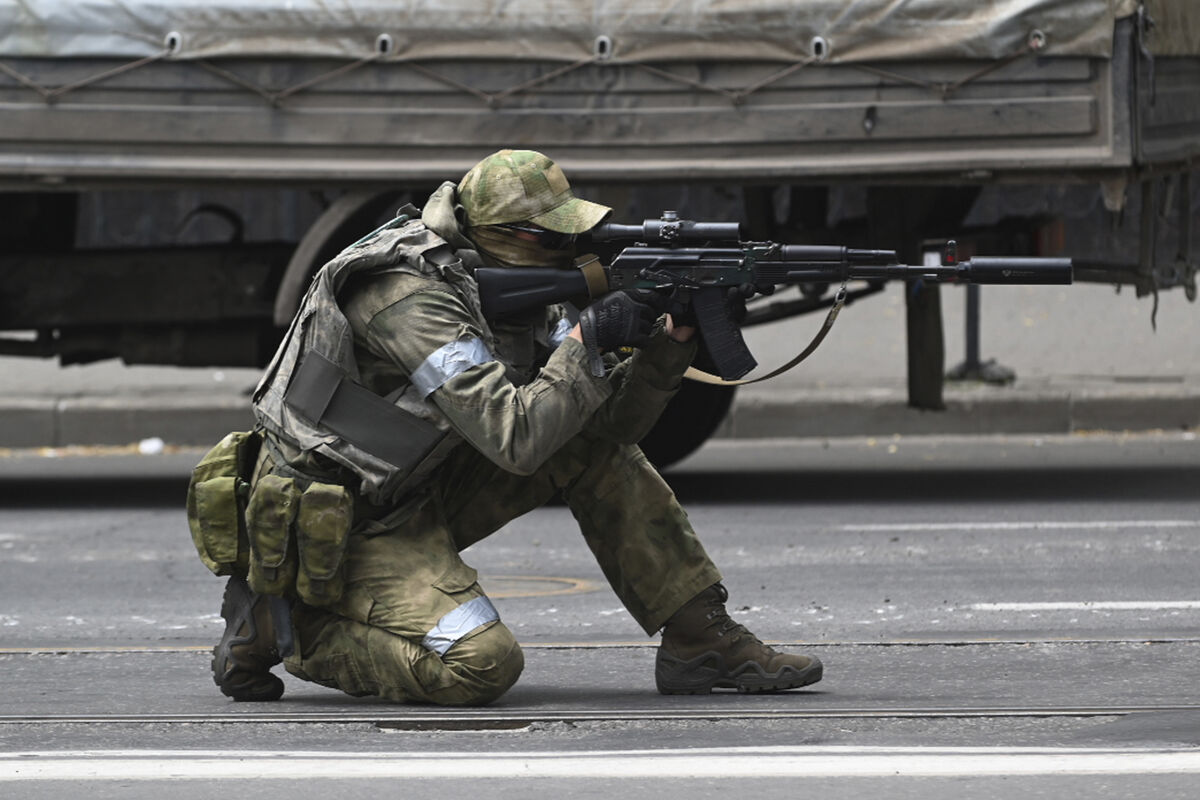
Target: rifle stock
column 507, row 290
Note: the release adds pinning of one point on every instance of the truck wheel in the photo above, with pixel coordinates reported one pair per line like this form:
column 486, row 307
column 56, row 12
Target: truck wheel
column 690, row 418
column 347, row 219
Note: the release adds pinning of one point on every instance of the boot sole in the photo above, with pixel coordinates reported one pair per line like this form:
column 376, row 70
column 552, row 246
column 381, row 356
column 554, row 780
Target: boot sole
column 706, row 672
column 236, row 611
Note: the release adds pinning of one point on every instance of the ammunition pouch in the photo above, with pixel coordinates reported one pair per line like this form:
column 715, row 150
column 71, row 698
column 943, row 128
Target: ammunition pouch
column 322, row 530
column 287, row 540
column 298, row 538
column 216, row 501
column 269, row 517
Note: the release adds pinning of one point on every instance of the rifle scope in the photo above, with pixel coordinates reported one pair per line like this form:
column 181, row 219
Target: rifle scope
column 668, row 230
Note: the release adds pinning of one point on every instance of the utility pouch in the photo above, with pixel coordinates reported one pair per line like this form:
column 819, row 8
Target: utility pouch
column 216, row 499
column 270, row 512
column 322, row 527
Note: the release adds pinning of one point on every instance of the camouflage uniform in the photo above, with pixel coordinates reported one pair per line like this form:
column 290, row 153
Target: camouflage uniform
column 524, row 419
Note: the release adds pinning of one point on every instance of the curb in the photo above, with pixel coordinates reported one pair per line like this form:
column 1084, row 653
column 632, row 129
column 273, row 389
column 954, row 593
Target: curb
column 201, row 421
column 976, row 410
column 85, row 421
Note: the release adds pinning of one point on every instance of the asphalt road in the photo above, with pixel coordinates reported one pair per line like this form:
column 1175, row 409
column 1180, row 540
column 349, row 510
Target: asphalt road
column 996, row 615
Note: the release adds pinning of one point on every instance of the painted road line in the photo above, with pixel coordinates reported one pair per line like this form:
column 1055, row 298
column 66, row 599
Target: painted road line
column 715, row 763
column 1037, row 525
column 1092, row 605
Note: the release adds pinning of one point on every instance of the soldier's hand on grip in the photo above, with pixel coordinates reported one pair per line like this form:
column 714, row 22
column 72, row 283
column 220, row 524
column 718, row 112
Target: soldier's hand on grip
column 618, row 319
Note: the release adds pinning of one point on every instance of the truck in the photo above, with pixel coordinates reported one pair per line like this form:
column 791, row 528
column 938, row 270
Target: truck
column 172, row 174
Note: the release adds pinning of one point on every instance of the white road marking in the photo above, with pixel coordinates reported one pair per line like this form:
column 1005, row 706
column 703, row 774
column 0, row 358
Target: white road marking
column 1048, row 525
column 766, row 762
column 1042, row 525
column 1091, row 605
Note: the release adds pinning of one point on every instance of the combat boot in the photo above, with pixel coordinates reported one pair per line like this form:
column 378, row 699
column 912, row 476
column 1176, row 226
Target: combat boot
column 702, row 649
column 243, row 659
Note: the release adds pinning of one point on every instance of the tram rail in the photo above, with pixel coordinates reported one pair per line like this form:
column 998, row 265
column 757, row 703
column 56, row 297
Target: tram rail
column 788, row 707
column 444, row 719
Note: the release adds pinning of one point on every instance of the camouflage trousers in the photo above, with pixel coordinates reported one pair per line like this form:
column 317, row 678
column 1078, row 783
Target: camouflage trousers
column 413, row 623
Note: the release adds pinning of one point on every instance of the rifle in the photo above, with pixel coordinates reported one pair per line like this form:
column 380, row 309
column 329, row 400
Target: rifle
column 702, row 277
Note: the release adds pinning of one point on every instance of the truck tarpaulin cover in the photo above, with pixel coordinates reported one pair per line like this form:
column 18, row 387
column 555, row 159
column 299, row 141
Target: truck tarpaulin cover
column 569, row 30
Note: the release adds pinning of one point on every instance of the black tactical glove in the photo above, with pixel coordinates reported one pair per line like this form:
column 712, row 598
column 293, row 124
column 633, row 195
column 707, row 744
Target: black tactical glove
column 619, row 319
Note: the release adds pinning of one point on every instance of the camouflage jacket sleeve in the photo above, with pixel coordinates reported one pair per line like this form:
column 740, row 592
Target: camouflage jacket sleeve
column 643, row 385
column 436, row 342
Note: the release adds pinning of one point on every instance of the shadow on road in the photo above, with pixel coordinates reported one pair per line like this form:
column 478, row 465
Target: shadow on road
column 733, row 486
column 99, row 492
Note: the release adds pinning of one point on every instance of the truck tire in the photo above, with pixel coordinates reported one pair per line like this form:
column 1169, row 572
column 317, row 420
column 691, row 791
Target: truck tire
column 691, row 417
column 347, row 219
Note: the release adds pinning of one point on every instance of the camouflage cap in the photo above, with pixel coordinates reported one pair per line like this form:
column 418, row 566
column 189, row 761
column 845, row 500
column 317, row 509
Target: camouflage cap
column 525, row 186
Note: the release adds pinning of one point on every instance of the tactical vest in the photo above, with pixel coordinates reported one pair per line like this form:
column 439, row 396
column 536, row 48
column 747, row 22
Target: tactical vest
column 310, row 398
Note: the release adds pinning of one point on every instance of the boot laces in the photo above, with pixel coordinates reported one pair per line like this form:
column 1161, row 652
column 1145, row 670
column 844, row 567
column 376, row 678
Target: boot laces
column 725, row 626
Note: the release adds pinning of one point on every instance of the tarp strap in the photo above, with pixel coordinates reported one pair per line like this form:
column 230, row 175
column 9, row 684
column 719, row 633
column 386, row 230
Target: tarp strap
column 742, row 94
column 735, row 96
column 1035, row 43
column 681, row 79
column 1145, row 24
column 274, row 97
column 342, row 70
column 437, row 76
column 494, row 99
column 541, row 79
column 50, row 94
column 237, row 80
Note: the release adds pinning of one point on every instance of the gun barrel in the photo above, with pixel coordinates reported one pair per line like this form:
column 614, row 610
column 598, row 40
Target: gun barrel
column 835, row 254
column 981, row 270
column 871, row 256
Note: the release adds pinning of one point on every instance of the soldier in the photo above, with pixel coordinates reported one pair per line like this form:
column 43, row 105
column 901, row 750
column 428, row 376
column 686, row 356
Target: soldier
column 399, row 426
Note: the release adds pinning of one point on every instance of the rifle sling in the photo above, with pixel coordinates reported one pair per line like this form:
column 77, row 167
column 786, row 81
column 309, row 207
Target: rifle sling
column 701, row 376
column 593, row 274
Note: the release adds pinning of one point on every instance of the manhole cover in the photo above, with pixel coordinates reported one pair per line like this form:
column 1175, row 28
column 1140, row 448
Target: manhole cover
column 501, row 586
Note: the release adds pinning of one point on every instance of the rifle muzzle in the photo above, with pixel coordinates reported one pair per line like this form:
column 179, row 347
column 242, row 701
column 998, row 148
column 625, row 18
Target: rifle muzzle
column 1025, row 271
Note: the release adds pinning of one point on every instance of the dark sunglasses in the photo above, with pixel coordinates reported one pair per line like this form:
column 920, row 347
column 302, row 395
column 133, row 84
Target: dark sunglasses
column 551, row 240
